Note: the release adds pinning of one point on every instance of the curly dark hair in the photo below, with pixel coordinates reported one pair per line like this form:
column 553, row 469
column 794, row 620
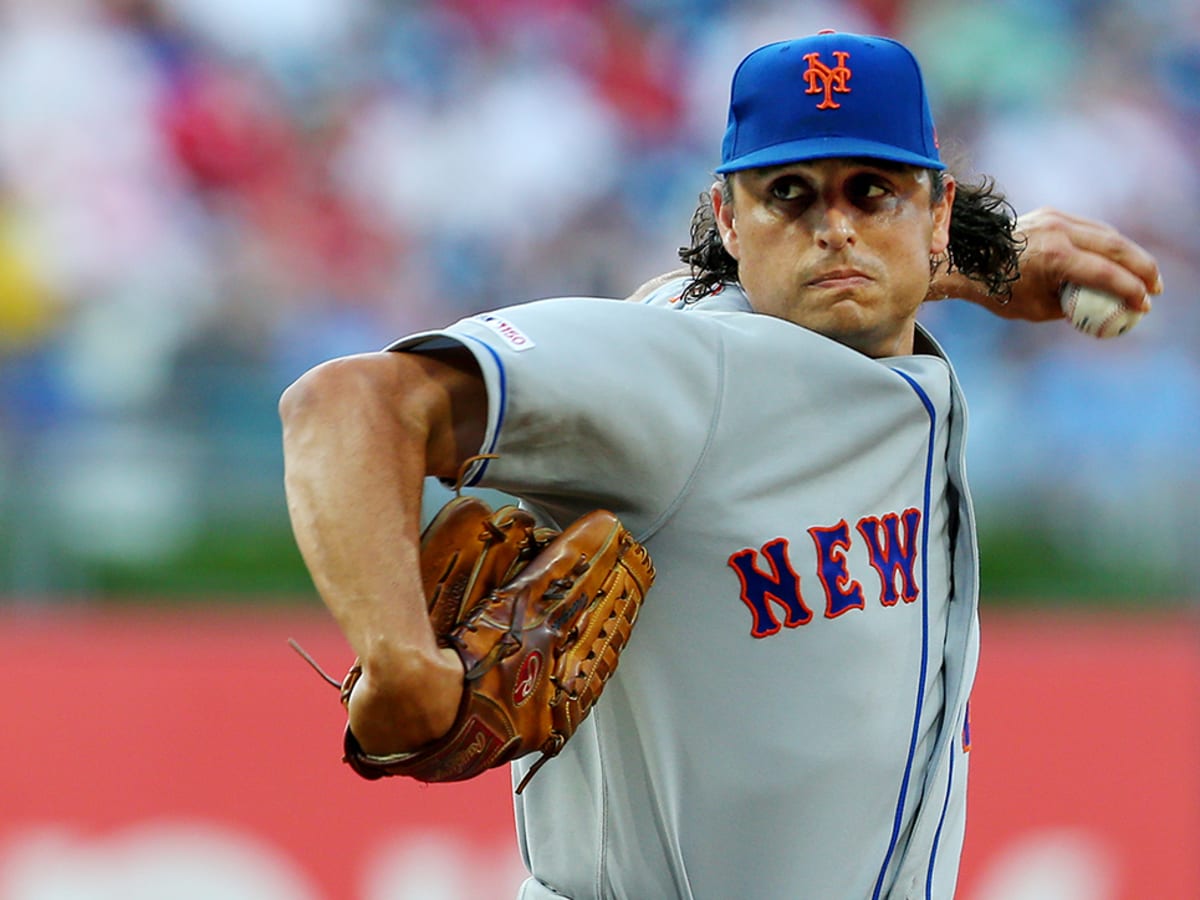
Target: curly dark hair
column 983, row 243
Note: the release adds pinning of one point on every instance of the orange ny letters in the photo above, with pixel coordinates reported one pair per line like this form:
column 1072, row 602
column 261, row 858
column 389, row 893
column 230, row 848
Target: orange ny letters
column 822, row 79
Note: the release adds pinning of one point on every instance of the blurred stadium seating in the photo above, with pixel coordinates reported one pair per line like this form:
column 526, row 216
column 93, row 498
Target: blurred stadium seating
column 199, row 200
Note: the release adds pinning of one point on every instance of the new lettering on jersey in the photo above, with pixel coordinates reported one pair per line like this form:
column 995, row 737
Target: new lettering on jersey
column 891, row 553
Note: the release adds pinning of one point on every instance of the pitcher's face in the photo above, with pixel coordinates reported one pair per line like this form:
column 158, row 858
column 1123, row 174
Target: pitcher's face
column 839, row 246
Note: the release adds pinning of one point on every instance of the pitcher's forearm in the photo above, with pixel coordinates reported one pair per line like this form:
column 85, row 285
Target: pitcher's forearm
column 360, row 435
column 354, row 469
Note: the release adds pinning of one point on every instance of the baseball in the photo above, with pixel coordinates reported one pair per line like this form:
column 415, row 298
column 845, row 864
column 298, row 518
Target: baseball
column 1097, row 313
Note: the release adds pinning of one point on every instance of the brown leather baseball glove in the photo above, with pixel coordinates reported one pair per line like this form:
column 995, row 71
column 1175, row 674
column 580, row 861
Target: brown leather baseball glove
column 539, row 619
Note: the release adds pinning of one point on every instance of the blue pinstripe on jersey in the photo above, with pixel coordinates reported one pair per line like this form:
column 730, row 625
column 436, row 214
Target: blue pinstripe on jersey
column 912, row 746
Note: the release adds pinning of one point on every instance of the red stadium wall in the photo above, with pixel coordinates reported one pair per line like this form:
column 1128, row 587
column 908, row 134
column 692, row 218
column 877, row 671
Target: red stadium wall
column 181, row 755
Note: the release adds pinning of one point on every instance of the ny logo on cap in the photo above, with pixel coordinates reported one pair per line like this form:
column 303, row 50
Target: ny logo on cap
column 822, row 79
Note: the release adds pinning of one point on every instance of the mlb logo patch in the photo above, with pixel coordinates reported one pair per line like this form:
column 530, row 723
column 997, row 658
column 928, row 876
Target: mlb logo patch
column 512, row 335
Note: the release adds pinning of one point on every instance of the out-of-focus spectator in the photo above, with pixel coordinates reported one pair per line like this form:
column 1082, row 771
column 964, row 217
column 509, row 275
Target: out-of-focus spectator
column 28, row 310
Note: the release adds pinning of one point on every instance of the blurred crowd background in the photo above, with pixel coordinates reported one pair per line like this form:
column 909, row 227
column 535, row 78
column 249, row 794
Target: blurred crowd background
column 199, row 199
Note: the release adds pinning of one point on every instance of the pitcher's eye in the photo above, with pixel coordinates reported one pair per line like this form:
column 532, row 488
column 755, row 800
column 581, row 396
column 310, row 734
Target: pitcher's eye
column 870, row 188
column 789, row 189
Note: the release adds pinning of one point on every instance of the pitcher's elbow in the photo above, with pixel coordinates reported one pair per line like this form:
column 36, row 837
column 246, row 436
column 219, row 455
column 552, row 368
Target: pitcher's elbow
column 328, row 385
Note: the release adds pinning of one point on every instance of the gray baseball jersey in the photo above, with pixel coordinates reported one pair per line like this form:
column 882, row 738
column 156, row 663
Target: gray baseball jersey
column 789, row 718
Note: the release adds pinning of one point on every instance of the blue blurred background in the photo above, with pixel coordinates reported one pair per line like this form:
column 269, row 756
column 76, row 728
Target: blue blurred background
column 199, row 199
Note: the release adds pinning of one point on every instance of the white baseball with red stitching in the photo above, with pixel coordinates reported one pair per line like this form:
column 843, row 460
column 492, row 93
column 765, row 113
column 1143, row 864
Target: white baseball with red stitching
column 1097, row 313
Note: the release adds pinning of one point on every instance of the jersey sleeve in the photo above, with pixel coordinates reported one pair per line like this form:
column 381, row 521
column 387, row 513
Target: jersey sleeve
column 591, row 403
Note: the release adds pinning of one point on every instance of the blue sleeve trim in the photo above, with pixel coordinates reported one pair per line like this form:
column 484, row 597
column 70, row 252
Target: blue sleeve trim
column 502, row 407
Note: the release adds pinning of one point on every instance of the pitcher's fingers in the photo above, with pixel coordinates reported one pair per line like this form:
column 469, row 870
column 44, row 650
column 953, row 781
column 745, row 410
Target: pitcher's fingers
column 1093, row 253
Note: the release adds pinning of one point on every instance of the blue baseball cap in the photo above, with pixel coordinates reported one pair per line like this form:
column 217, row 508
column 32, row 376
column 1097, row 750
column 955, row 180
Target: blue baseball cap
column 831, row 94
